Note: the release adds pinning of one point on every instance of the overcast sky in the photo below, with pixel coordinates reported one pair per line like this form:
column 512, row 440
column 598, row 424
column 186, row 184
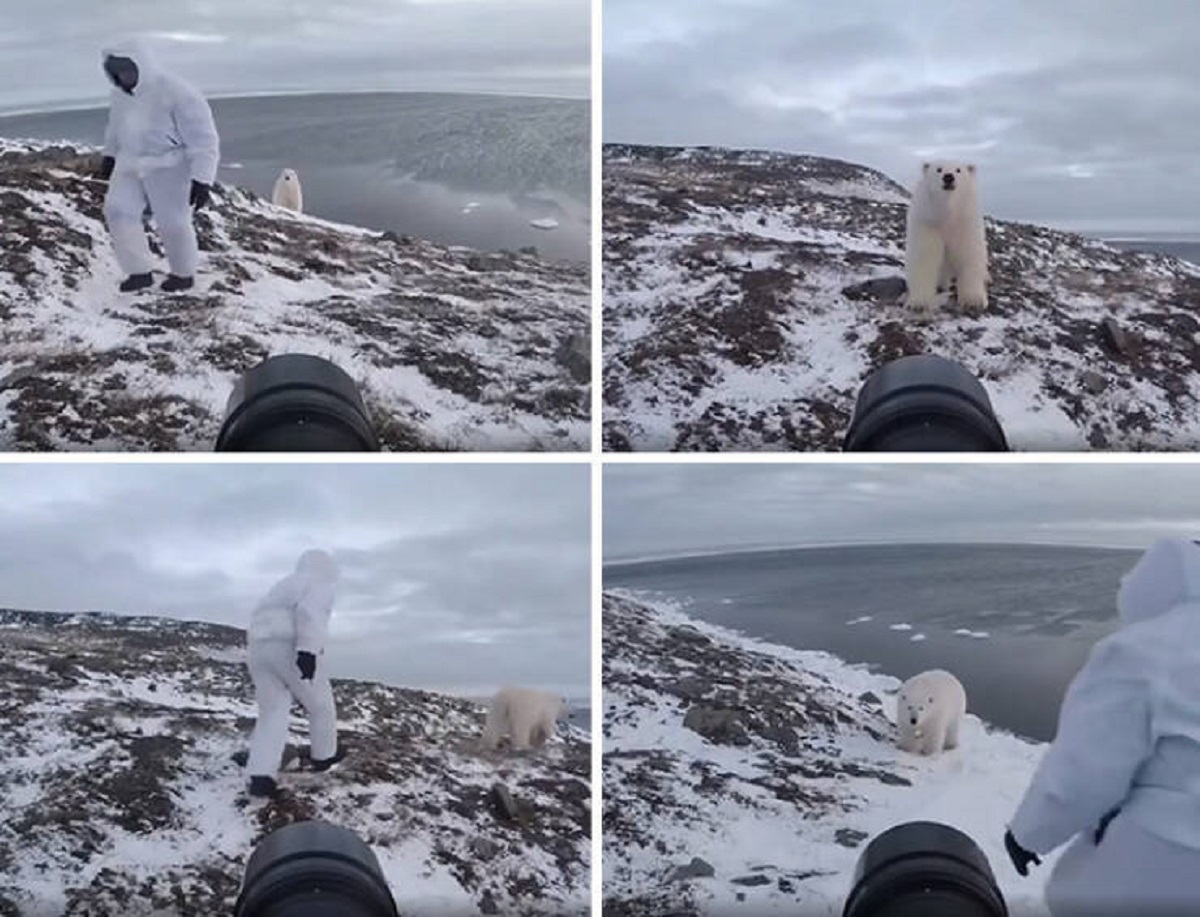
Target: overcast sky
column 50, row 49
column 663, row 510
column 455, row 576
column 1075, row 110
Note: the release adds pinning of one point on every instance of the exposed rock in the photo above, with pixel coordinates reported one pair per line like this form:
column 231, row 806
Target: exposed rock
column 575, row 355
column 877, row 289
column 1115, row 337
column 77, row 693
column 848, row 837
column 725, row 267
column 1093, row 382
column 722, row 727
column 411, row 314
column 503, row 804
column 696, row 869
column 782, row 734
column 751, row 881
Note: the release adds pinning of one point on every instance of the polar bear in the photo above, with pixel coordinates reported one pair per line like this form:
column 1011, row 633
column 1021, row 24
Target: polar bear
column 525, row 716
column 929, row 711
column 946, row 239
column 287, row 191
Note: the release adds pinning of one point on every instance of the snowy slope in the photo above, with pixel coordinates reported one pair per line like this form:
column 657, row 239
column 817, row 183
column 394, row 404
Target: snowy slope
column 118, row 794
column 736, row 316
column 784, row 771
column 453, row 349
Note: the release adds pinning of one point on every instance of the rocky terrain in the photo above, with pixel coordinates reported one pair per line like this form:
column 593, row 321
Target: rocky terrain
column 452, row 349
column 747, row 296
column 119, row 793
column 744, row 778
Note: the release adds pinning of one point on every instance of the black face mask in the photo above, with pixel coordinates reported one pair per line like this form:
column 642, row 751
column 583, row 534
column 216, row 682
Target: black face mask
column 122, row 71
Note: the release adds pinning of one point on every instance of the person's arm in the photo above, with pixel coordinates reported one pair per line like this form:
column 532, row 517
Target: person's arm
column 110, row 135
column 312, row 617
column 194, row 118
column 1104, row 735
column 108, row 159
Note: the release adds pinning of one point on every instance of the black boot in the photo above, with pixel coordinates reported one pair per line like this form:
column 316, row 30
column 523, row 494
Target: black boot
column 264, row 786
column 135, row 282
column 324, row 764
column 174, row 284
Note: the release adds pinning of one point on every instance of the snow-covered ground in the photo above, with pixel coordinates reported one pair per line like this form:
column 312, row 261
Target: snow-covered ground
column 774, row 766
column 119, row 795
column 748, row 295
column 452, row 349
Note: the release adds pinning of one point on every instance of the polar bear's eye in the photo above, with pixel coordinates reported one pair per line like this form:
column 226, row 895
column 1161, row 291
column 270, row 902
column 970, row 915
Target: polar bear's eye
column 939, row 170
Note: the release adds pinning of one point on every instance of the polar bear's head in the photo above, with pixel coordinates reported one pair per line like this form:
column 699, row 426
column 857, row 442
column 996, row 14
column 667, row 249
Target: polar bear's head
column 288, row 176
column 948, row 187
column 914, row 708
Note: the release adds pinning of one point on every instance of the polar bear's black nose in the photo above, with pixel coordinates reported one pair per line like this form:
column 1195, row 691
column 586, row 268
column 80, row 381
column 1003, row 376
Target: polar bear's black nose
column 948, row 180
column 913, row 720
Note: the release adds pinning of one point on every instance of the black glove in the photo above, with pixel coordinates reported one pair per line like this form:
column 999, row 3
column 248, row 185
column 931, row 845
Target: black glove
column 1021, row 858
column 200, row 194
column 307, row 664
column 107, row 164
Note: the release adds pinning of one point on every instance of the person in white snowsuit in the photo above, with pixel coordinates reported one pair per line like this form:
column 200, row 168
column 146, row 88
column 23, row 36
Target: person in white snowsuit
column 286, row 638
column 160, row 147
column 1122, row 776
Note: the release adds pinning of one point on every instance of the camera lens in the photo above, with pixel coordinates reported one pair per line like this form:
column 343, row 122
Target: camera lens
column 924, row 869
column 296, row 403
column 314, row 869
column 923, row 403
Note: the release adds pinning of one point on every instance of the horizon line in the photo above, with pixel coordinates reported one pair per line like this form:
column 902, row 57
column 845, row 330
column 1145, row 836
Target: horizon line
column 51, row 108
column 695, row 553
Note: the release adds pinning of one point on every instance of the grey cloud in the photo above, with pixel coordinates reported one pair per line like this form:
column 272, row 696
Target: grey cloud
column 652, row 510
column 456, row 576
column 49, row 51
column 1074, row 111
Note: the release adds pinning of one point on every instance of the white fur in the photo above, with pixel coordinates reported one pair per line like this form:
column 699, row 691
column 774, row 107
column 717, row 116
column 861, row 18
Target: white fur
column 946, row 239
column 527, row 717
column 287, row 191
column 937, row 702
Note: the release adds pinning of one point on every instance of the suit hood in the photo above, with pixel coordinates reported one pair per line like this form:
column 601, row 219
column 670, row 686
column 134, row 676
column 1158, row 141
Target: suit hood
column 1167, row 576
column 138, row 51
column 318, row 565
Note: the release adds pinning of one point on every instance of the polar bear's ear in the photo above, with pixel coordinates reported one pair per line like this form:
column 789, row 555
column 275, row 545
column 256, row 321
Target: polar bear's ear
column 925, row 166
column 971, row 167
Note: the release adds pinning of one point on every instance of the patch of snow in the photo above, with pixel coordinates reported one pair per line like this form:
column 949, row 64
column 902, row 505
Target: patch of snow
column 975, row 788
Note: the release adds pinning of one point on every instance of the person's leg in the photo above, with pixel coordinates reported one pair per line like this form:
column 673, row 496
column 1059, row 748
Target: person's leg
column 274, row 705
column 316, row 696
column 169, row 189
column 123, row 207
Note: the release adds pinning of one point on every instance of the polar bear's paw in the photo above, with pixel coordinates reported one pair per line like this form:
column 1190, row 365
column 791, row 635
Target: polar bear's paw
column 973, row 299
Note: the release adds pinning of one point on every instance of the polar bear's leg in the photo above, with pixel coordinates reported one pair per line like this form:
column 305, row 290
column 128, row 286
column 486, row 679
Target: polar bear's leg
column 923, row 264
column 522, row 721
column 952, row 733
column 946, row 274
column 934, row 739
column 541, row 730
column 969, row 255
column 497, row 724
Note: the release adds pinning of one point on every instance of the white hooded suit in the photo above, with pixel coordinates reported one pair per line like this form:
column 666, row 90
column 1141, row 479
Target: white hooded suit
column 163, row 138
column 1129, row 737
column 293, row 617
